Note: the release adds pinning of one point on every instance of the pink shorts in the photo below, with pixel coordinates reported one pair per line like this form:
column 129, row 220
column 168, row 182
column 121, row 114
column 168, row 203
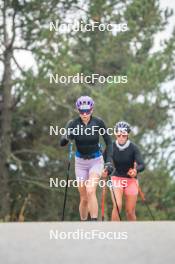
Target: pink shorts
column 129, row 185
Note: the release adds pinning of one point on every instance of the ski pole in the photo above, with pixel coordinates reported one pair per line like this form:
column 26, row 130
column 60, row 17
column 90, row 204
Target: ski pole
column 115, row 200
column 67, row 178
column 103, row 190
column 142, row 195
column 103, row 201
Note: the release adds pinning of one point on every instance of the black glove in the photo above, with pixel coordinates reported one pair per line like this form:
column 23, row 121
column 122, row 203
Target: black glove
column 108, row 167
column 65, row 139
column 70, row 135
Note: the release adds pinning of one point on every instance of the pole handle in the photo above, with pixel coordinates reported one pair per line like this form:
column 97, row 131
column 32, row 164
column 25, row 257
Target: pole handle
column 70, row 147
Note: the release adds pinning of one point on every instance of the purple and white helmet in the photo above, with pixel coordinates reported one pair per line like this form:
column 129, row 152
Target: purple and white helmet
column 84, row 103
column 123, row 126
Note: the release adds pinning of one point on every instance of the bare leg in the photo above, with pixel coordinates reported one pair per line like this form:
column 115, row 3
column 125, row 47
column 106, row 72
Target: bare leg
column 91, row 194
column 83, row 207
column 130, row 206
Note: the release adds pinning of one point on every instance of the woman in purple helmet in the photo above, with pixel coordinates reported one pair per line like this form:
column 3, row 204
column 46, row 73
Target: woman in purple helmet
column 89, row 163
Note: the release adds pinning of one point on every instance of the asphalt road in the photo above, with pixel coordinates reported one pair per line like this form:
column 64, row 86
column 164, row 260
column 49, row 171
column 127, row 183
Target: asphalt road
column 90, row 242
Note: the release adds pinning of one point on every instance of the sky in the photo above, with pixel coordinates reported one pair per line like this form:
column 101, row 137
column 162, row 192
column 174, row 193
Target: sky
column 167, row 33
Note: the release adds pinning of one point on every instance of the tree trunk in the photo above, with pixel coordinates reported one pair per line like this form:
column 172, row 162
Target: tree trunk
column 5, row 140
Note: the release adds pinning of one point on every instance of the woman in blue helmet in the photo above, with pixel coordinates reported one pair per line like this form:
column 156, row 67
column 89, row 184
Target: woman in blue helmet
column 89, row 163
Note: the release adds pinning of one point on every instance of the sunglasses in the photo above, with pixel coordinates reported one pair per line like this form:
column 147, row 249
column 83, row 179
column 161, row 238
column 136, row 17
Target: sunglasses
column 121, row 135
column 85, row 111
